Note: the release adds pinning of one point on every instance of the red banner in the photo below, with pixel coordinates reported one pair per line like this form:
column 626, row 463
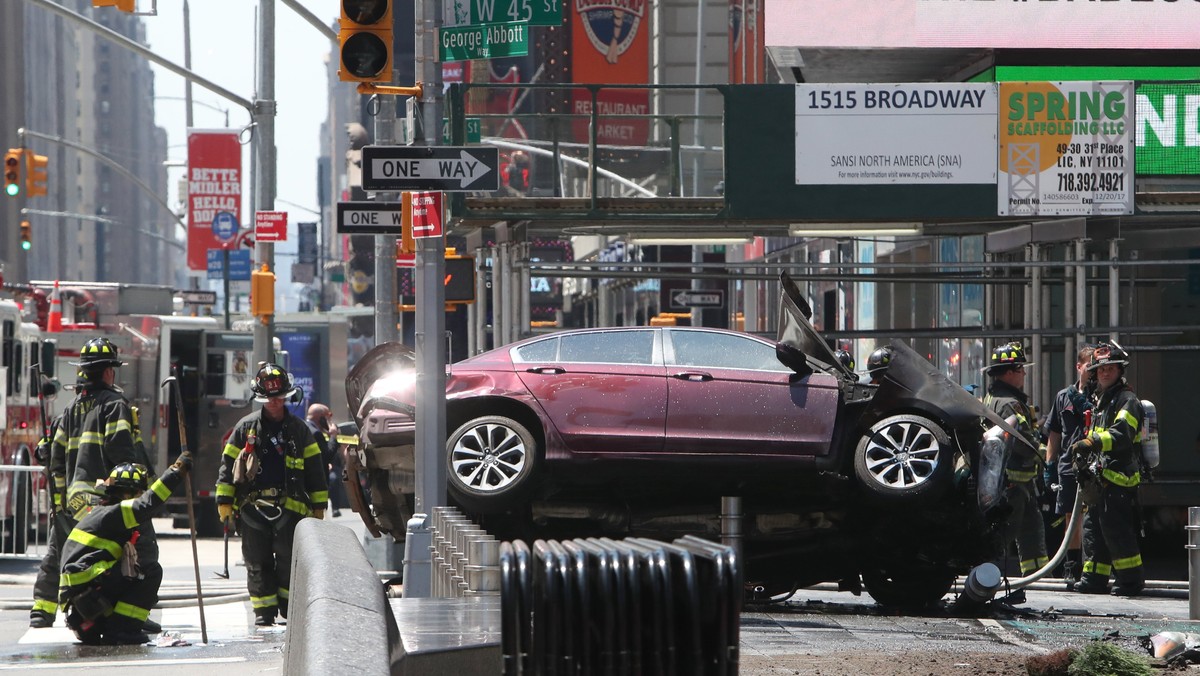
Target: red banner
column 611, row 45
column 214, row 185
column 746, row 54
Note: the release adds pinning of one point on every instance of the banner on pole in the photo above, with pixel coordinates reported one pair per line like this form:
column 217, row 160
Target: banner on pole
column 214, row 185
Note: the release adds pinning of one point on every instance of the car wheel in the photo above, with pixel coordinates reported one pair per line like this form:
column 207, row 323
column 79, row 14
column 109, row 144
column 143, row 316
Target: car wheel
column 492, row 460
column 911, row 588
column 904, row 458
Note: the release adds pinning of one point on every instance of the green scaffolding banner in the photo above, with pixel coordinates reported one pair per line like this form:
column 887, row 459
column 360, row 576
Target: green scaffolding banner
column 1168, row 132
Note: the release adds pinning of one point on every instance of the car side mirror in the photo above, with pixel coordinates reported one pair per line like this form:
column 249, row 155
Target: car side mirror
column 793, row 359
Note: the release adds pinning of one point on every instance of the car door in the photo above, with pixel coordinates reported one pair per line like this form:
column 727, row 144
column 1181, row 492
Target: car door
column 728, row 394
column 604, row 391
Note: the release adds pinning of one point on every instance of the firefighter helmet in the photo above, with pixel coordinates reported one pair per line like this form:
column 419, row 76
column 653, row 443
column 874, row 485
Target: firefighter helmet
column 271, row 381
column 879, row 360
column 845, row 358
column 1108, row 353
column 98, row 352
column 1007, row 355
column 127, row 477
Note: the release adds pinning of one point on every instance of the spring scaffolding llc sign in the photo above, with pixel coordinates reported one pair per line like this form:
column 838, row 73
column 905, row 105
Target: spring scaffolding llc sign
column 1066, row 149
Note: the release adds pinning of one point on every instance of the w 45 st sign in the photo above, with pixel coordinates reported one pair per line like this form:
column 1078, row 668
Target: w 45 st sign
column 475, row 12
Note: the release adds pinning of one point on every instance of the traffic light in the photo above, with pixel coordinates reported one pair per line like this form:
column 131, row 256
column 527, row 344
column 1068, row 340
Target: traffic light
column 262, row 292
column 365, row 41
column 35, row 173
column 26, row 238
column 12, row 172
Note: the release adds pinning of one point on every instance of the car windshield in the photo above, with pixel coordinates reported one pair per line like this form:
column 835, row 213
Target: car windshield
column 796, row 332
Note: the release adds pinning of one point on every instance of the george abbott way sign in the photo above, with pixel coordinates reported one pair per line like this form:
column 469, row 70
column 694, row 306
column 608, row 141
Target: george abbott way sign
column 445, row 168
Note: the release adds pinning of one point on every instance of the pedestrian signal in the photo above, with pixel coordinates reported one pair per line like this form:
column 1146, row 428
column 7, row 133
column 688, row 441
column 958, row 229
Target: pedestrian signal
column 365, row 41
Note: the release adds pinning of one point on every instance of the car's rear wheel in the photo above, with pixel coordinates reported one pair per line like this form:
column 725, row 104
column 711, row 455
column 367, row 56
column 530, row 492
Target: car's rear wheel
column 904, row 458
column 492, row 461
column 907, row 587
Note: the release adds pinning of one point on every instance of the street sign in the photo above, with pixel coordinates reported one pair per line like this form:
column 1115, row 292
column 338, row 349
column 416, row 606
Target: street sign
column 370, row 218
column 404, row 260
column 474, row 130
column 270, row 226
column 534, row 13
column 483, row 41
column 239, row 264
column 446, row 168
column 225, row 226
column 194, row 297
column 702, row 299
column 426, row 214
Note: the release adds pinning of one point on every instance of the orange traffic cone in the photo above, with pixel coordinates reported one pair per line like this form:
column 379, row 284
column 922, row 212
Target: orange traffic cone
column 54, row 321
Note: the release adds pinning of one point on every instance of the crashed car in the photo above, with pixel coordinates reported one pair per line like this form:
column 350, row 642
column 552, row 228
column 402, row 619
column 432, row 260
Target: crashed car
column 641, row 431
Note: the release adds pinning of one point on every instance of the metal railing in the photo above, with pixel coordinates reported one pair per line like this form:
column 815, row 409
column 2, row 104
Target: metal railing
column 465, row 558
column 26, row 520
column 631, row 606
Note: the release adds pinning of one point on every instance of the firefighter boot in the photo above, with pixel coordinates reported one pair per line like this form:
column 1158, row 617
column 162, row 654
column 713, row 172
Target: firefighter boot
column 1129, row 582
column 1070, row 574
column 264, row 617
column 151, row 627
column 1092, row 584
column 123, row 631
column 40, row 619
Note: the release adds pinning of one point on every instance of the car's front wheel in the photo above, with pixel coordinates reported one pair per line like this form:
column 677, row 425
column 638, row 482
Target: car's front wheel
column 904, row 458
column 492, row 461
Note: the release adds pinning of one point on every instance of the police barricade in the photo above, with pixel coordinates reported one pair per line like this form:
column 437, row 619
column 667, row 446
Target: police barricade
column 633, row 606
column 24, row 512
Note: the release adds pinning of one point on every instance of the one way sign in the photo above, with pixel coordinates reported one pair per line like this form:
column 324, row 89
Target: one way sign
column 446, row 168
column 701, row 299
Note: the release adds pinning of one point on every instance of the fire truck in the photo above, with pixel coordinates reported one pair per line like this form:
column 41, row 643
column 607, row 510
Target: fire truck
column 20, row 426
column 213, row 366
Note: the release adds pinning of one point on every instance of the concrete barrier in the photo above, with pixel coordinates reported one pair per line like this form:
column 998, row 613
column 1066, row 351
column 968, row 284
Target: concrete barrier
column 339, row 620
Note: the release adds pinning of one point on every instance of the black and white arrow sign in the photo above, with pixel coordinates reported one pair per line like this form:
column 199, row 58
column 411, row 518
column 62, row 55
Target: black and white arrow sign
column 714, row 298
column 446, row 168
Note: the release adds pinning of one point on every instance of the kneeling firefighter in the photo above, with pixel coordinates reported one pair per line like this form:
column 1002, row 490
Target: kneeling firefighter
column 106, row 594
column 272, row 475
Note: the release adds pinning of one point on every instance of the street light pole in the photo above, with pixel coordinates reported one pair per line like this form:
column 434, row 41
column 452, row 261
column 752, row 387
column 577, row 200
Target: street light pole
column 263, row 114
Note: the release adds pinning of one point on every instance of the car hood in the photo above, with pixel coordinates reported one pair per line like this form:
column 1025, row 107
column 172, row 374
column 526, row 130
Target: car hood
column 909, row 382
column 385, row 377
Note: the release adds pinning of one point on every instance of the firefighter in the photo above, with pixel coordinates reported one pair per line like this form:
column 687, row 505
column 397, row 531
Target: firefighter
column 106, row 592
column 1006, row 396
column 97, row 432
column 271, row 476
column 1107, row 463
column 877, row 364
column 845, row 358
column 45, row 587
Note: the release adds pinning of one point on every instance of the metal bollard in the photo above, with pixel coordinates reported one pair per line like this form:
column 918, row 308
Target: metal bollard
column 1193, row 547
column 731, row 524
column 417, row 568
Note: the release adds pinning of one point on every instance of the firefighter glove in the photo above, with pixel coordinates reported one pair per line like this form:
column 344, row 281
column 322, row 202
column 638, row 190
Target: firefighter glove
column 226, row 513
column 318, row 513
column 183, row 464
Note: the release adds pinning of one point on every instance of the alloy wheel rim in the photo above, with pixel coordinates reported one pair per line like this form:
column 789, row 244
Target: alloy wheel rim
column 902, row 455
column 489, row 458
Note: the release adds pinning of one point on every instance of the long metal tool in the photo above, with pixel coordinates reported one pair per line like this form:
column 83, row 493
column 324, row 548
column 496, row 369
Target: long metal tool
column 225, row 573
column 191, row 510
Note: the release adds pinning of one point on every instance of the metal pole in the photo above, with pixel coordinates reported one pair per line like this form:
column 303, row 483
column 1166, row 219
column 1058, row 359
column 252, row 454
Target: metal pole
column 225, row 281
column 430, row 324
column 264, row 166
column 1193, row 552
column 1114, row 288
column 1080, row 296
column 386, row 297
column 731, row 525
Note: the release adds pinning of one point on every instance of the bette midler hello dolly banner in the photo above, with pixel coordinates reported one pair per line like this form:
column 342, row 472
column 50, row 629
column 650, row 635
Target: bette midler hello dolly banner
column 214, row 182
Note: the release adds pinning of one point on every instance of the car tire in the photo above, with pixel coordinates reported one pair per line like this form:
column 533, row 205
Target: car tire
column 491, row 462
column 909, row 588
column 904, row 458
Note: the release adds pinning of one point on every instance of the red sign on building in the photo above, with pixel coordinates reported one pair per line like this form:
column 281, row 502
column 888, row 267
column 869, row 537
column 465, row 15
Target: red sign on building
column 214, row 185
column 270, row 226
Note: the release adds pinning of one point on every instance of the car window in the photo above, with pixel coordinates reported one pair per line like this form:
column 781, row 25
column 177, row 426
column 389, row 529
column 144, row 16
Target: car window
column 722, row 350
column 608, row 347
column 542, row 350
